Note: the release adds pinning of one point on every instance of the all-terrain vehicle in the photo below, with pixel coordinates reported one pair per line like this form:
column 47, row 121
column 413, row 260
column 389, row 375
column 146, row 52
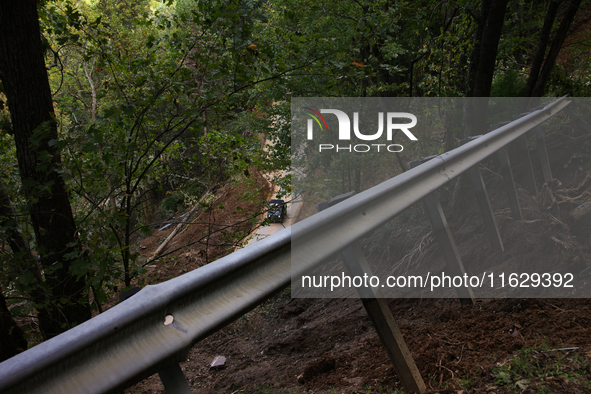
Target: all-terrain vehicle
column 277, row 211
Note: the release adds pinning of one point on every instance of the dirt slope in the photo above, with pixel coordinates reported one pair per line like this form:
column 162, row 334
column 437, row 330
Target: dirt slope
column 329, row 345
column 214, row 233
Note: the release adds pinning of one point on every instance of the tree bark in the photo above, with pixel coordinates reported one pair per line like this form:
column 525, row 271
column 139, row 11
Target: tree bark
column 22, row 264
column 540, row 85
column 22, row 66
column 18, row 246
column 12, row 339
column 475, row 55
column 491, row 24
column 489, row 46
column 536, row 65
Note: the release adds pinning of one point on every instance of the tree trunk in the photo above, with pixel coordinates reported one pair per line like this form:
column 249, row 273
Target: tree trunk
column 23, row 260
column 475, row 55
column 489, row 46
column 492, row 20
column 25, row 79
column 536, row 65
column 540, row 85
column 21, row 264
column 12, row 339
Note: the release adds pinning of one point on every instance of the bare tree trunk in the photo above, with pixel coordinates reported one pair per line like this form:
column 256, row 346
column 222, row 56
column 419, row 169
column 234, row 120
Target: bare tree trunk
column 12, row 340
column 493, row 19
column 20, row 264
column 475, row 55
column 536, row 65
column 540, row 85
column 24, row 75
column 489, row 46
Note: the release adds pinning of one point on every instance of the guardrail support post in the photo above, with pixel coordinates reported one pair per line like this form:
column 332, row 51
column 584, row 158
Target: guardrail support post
column 174, row 380
column 384, row 323
column 529, row 175
column 446, row 242
column 543, row 153
column 380, row 314
column 509, row 184
column 486, row 211
column 571, row 114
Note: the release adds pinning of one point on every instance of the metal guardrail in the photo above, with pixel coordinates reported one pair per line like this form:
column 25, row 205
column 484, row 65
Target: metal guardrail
column 130, row 341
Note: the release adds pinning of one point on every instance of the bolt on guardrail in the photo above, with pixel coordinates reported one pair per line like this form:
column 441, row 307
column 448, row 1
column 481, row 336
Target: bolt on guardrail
column 132, row 341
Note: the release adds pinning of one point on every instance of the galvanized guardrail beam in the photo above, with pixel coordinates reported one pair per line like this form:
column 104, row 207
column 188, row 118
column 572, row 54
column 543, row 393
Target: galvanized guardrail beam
column 359, row 215
column 130, row 341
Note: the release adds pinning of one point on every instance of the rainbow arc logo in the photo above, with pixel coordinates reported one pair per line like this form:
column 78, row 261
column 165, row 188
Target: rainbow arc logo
column 317, row 117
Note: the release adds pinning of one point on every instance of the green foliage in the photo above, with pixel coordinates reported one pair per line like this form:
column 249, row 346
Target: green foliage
column 193, row 188
column 149, row 76
column 563, row 82
column 534, row 367
column 135, row 84
column 170, row 204
column 341, row 51
column 159, row 102
column 508, row 84
column 189, row 192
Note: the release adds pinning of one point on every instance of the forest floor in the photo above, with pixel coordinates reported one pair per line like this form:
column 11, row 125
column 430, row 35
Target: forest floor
column 512, row 345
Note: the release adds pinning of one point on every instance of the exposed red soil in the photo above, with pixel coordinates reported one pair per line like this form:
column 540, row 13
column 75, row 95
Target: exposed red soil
column 213, row 233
